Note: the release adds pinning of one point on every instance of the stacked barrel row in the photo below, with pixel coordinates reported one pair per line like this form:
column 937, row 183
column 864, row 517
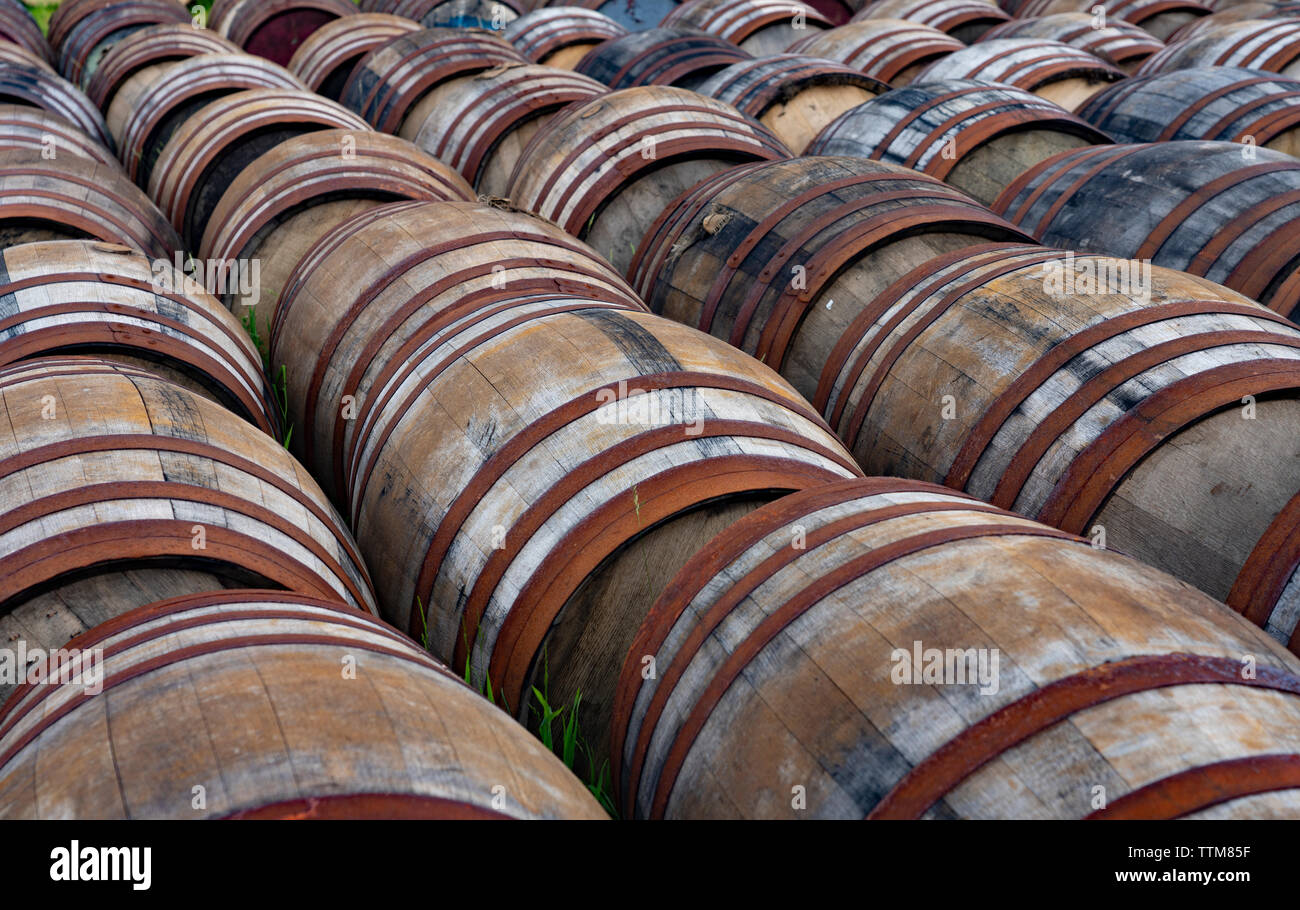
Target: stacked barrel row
column 159, row 546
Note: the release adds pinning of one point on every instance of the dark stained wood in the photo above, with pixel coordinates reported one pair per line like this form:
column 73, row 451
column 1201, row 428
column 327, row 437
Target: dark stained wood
column 683, row 57
column 275, row 29
column 491, row 15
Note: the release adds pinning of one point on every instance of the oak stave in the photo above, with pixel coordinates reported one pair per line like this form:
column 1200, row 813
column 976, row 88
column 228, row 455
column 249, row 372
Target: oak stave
column 1119, row 42
column 39, row 87
column 147, row 47
column 32, row 129
column 1161, row 18
column 777, row 675
column 18, row 26
column 328, row 55
column 760, row 27
column 17, row 54
column 290, row 732
column 683, row 57
column 274, row 29
column 560, row 37
column 1271, row 45
column 86, row 41
column 891, row 50
column 965, row 20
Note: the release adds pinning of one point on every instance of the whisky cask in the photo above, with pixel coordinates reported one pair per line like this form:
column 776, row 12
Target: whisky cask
column 1218, row 103
column 146, row 47
column 560, row 36
column 684, row 57
column 1062, row 74
column 481, row 124
column 761, row 27
column 793, row 95
column 977, row 137
column 327, row 56
column 31, row 129
column 1161, row 18
column 310, row 710
column 393, row 76
column 108, row 467
column 39, row 87
column 1119, row 42
column 779, row 258
column 275, row 29
column 1154, row 408
column 89, row 297
column 1213, row 209
column 153, row 104
column 636, row 16
column 604, row 169
column 72, row 198
column 890, row 649
column 209, row 150
column 284, row 201
column 101, row 25
column 891, row 50
column 1227, row 15
column 13, row 53
column 18, row 27
column 965, row 20
column 489, row 15
column 1272, row 45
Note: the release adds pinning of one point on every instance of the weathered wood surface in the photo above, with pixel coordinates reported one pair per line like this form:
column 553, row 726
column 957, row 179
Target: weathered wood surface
column 779, row 258
column 605, row 169
column 793, row 95
column 684, row 57
column 1208, row 208
column 1228, row 15
column 633, row 15
column 84, row 42
column 40, row 87
column 1219, row 103
column 560, row 37
column 15, row 53
column 761, row 27
column 326, row 58
column 155, row 102
column 31, row 129
column 392, row 77
column 147, row 47
column 310, row 710
column 275, row 29
column 18, row 26
column 72, row 197
column 481, row 124
column 891, row 50
column 132, row 470
column 210, row 149
column 490, row 15
column 785, row 686
column 1272, row 45
column 289, row 181
column 1161, row 18
column 965, row 20
column 1104, row 399
column 1062, row 74
column 88, row 296
column 1119, row 42
column 977, row 137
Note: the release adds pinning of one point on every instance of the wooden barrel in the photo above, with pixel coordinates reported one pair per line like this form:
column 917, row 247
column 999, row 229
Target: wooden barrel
column 13, row 53
column 411, row 268
column 34, row 130
column 891, row 50
column 793, row 95
column 1051, row 679
column 761, row 27
column 1133, row 410
column 275, row 29
column 965, row 20
column 72, row 198
column 492, row 15
column 18, row 27
column 89, row 297
column 210, row 149
column 605, row 169
column 395, row 75
column 120, row 468
column 328, row 55
column 1221, row 103
column 1202, row 207
column 683, row 57
column 1062, row 74
column 561, row 36
column 591, row 488
column 1161, row 18
column 150, row 46
column 68, row 13
column 284, row 201
column 39, row 87
column 633, row 15
column 1271, row 45
column 1118, row 42
column 309, row 710
column 481, row 124
column 780, row 258
column 977, row 137
column 103, row 24
column 155, row 102
column 1236, row 13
